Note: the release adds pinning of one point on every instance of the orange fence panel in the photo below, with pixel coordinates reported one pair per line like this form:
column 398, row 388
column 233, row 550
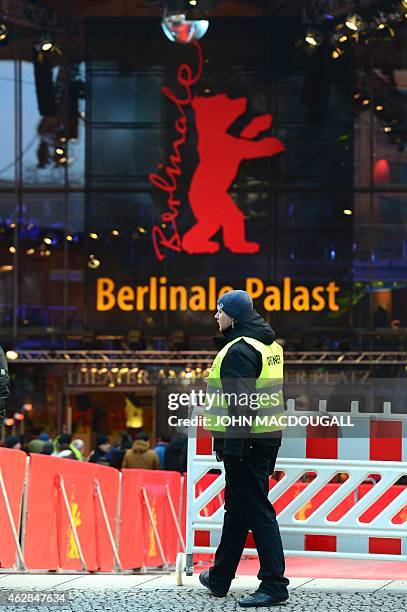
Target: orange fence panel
column 49, row 534
column 13, row 468
column 138, row 545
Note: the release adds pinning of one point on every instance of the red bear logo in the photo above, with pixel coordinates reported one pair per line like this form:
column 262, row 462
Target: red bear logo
column 220, row 155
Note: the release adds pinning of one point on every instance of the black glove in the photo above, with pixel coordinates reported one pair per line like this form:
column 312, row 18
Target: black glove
column 219, row 455
column 218, row 444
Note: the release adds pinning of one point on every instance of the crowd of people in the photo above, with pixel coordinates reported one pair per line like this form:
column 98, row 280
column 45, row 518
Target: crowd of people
column 167, row 454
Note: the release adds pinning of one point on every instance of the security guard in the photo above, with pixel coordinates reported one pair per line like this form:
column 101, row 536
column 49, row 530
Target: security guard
column 248, row 366
column 4, row 387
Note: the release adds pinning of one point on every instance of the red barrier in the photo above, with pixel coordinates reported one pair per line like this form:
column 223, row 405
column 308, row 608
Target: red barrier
column 49, row 537
column 317, row 542
column 13, row 467
column 139, row 545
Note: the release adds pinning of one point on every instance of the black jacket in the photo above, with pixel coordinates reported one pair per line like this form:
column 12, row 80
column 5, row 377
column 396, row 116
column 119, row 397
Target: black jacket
column 176, row 453
column 240, row 368
column 4, row 386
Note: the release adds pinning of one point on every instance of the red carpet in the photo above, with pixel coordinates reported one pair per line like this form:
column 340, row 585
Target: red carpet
column 321, row 567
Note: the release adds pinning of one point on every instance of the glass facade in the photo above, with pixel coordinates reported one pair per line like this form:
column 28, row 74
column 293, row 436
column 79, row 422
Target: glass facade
column 77, row 205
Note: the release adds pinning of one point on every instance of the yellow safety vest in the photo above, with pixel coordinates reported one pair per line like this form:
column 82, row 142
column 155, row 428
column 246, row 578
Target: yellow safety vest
column 270, row 405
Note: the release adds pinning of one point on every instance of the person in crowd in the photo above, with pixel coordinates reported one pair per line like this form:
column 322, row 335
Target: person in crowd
column 4, row 387
column 176, row 453
column 119, row 451
column 141, row 455
column 102, row 453
column 35, row 445
column 13, row 442
column 80, row 447
column 47, row 448
column 161, row 450
column 66, row 449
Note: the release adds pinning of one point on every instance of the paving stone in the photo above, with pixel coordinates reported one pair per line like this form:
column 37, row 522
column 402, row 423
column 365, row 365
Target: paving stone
column 126, row 596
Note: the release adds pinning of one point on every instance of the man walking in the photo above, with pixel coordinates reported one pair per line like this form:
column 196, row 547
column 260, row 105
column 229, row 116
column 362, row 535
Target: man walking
column 250, row 362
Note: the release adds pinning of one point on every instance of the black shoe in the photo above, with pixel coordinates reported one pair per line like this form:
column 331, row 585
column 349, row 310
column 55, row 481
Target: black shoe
column 259, row 599
column 204, row 580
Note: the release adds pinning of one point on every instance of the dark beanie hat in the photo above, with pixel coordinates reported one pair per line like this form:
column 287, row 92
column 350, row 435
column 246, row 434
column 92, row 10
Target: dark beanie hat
column 235, row 303
column 101, row 439
column 65, row 438
column 12, row 441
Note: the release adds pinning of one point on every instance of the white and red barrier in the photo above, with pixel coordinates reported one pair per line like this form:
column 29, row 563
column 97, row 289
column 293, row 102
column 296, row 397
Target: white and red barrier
column 344, row 519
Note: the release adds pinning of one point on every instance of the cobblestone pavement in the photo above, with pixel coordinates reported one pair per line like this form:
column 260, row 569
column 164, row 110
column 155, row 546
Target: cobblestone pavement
column 194, row 600
column 158, row 594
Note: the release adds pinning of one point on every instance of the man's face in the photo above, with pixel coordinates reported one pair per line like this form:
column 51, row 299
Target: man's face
column 224, row 321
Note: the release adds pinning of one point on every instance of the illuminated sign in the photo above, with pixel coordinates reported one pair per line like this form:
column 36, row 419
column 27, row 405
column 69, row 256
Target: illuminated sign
column 219, row 156
column 160, row 295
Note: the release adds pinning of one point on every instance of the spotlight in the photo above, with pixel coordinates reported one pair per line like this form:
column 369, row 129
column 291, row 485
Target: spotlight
column 347, row 211
column 46, row 43
column 93, row 262
column 337, row 53
column 93, row 235
column 12, row 355
column 184, row 24
column 47, row 240
column 3, row 32
column 13, row 250
column 353, row 22
column 4, row 37
column 312, row 39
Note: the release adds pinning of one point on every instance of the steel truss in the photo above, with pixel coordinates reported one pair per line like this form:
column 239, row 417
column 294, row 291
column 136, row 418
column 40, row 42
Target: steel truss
column 28, row 15
column 185, row 358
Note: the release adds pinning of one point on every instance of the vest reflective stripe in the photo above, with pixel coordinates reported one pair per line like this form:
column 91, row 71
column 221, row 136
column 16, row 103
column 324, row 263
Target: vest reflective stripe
column 76, row 452
column 268, row 384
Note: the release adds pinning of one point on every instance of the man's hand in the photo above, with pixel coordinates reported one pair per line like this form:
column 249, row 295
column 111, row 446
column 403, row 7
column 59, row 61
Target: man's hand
column 219, row 455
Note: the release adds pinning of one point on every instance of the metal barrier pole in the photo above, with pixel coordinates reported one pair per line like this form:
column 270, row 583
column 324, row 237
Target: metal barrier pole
column 11, row 521
column 174, row 516
column 108, row 528
column 181, row 503
column 23, row 526
column 71, row 522
column 154, row 526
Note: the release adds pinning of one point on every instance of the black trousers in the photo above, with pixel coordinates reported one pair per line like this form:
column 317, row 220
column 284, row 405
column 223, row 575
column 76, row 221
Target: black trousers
column 247, row 508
